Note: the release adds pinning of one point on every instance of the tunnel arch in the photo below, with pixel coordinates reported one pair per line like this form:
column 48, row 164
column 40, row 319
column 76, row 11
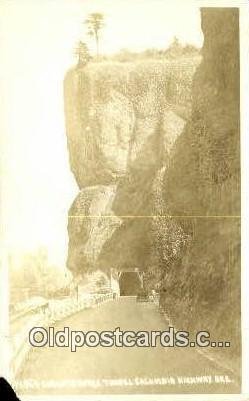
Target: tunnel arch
column 129, row 283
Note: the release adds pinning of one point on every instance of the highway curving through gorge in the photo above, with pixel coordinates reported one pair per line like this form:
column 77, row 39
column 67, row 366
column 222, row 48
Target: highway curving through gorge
column 120, row 370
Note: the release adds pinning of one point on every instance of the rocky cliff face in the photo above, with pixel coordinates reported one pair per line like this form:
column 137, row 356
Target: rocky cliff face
column 122, row 121
column 201, row 285
column 157, row 165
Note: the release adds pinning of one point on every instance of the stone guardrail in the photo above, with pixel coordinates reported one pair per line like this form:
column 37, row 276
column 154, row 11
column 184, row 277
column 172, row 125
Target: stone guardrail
column 55, row 311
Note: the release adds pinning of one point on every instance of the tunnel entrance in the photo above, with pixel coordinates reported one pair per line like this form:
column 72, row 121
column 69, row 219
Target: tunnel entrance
column 129, row 283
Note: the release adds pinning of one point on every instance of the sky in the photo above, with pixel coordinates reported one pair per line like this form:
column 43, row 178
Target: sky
column 37, row 42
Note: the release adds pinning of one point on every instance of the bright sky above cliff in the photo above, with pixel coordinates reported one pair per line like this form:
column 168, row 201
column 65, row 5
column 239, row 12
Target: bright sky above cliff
column 37, row 38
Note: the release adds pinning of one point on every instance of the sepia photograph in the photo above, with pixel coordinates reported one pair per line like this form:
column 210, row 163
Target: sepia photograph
column 120, row 198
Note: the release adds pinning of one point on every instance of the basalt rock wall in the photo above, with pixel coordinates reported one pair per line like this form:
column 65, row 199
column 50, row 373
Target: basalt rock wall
column 154, row 148
column 122, row 120
column 201, row 284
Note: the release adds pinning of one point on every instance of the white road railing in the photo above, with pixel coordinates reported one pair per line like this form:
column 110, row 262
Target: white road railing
column 56, row 310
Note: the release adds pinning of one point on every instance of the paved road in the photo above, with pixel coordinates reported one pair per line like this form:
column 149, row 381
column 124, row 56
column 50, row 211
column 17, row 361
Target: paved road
column 137, row 368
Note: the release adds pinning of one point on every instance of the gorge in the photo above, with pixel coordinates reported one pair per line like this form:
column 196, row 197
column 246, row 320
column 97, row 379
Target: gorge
column 154, row 148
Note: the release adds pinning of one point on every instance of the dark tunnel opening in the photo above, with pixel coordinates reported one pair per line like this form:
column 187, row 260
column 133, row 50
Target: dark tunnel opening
column 129, row 283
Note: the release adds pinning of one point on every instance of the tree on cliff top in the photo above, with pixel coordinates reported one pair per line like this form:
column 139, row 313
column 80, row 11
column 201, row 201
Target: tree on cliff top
column 95, row 22
column 176, row 49
column 82, row 53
